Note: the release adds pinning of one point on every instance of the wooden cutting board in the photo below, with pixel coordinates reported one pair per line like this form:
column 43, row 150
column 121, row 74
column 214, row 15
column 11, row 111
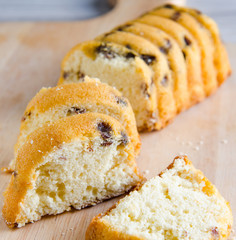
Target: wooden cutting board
column 30, row 56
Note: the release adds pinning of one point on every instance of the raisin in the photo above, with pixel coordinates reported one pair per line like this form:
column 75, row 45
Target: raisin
column 164, row 81
column 187, row 41
column 148, row 59
column 176, row 16
column 168, row 6
column 144, row 88
column 80, row 75
column 198, row 12
column 128, row 46
column 121, row 28
column 75, row 110
column 124, row 139
column 15, row 224
column 66, row 75
column 27, row 114
column 15, row 173
column 215, row 233
column 106, row 51
column 129, row 55
column 106, row 132
column 165, row 49
column 106, row 143
column 121, row 100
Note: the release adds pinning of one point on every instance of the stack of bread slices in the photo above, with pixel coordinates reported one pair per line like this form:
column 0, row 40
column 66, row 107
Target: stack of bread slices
column 77, row 147
column 164, row 62
column 78, row 141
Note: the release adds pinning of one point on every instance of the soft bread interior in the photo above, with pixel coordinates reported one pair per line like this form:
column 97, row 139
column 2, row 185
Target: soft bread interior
column 121, row 73
column 79, row 174
column 179, row 204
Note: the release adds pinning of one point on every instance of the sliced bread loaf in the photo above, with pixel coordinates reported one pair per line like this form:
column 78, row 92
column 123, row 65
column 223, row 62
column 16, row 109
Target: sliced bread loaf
column 77, row 161
column 119, row 67
column 51, row 104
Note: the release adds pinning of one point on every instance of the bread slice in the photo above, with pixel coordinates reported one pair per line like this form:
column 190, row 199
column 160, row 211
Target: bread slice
column 51, row 104
column 77, row 161
column 204, row 41
column 180, row 203
column 221, row 59
column 120, row 67
column 176, row 61
column 157, row 61
column 190, row 50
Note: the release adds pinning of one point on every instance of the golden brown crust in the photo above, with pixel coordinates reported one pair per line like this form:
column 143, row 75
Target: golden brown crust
column 41, row 142
column 191, row 52
column 101, row 229
column 221, row 59
column 203, row 40
column 79, row 94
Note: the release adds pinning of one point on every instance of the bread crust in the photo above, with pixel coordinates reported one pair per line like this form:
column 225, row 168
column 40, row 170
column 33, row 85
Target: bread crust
column 192, row 52
column 203, row 40
column 45, row 140
column 221, row 59
column 101, row 229
column 80, row 94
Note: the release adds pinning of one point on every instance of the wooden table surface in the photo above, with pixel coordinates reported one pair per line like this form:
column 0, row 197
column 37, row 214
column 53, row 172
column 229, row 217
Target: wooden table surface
column 30, row 56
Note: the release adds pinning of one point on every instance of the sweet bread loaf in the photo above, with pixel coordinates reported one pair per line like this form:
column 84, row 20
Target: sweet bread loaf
column 221, row 60
column 204, row 42
column 51, row 104
column 190, row 33
column 180, row 203
column 120, row 67
column 76, row 162
column 176, row 61
column 156, row 60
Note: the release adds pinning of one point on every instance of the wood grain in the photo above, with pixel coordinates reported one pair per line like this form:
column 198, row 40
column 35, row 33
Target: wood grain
column 30, row 58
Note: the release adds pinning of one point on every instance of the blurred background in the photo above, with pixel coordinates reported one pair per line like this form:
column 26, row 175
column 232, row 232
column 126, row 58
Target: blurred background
column 224, row 12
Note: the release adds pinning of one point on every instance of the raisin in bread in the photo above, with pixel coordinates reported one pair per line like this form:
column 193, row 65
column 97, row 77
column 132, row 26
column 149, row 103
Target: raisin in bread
column 180, row 203
column 119, row 67
column 77, row 161
column 221, row 59
column 190, row 50
column 158, row 63
column 170, row 48
column 204, row 41
column 51, row 104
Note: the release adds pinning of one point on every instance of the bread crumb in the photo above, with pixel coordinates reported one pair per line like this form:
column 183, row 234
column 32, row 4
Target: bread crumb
column 197, row 148
column 177, row 139
column 190, row 143
column 224, row 141
column 145, row 172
